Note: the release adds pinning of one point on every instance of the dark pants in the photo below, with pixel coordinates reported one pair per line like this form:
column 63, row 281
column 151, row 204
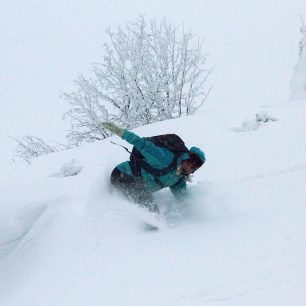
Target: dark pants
column 134, row 189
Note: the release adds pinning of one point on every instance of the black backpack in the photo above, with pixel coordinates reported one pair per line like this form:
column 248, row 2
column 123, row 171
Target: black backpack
column 172, row 142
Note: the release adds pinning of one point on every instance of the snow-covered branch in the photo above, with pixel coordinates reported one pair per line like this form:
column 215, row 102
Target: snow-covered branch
column 29, row 147
column 151, row 71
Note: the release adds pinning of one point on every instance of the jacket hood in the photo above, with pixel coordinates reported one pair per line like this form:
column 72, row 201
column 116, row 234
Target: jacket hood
column 194, row 150
column 199, row 152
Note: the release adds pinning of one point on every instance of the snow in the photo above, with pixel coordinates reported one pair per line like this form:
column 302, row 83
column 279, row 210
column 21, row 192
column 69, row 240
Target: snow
column 238, row 240
column 298, row 79
column 67, row 239
column 71, row 168
column 46, row 44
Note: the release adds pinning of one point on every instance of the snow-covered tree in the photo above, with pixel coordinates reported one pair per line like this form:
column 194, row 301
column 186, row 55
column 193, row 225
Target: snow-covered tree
column 29, row 147
column 298, row 80
column 302, row 42
column 151, row 71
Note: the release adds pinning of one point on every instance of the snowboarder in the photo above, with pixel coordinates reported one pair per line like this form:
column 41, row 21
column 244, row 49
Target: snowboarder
column 154, row 165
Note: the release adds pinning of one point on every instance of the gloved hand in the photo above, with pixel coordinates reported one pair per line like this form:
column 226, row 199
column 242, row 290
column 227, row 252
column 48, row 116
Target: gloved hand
column 113, row 128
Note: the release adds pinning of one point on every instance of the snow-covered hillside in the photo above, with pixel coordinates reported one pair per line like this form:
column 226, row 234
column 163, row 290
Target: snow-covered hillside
column 239, row 239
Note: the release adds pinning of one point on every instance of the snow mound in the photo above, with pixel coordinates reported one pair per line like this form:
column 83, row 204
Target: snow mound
column 71, row 168
column 253, row 124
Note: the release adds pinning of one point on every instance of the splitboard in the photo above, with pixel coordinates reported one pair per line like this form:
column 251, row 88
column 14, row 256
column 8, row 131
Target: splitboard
column 148, row 221
column 150, row 228
column 151, row 222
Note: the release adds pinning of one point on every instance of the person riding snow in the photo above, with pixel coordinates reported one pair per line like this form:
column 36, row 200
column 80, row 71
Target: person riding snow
column 160, row 167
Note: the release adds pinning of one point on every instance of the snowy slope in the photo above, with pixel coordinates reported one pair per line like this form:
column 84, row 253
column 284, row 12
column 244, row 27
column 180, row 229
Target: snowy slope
column 239, row 240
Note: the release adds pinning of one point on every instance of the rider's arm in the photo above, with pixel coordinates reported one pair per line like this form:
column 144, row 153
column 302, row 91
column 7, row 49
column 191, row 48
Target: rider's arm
column 157, row 156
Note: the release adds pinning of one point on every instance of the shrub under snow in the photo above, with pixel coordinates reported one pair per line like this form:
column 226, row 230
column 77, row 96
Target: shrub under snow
column 253, row 124
column 71, row 168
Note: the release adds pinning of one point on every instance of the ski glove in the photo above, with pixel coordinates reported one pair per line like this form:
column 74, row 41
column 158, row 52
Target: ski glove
column 113, row 128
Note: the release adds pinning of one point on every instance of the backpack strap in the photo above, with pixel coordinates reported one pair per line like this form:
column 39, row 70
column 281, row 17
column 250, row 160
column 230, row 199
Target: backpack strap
column 125, row 148
column 138, row 163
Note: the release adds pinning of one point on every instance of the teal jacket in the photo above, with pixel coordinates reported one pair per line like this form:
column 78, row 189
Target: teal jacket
column 159, row 158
